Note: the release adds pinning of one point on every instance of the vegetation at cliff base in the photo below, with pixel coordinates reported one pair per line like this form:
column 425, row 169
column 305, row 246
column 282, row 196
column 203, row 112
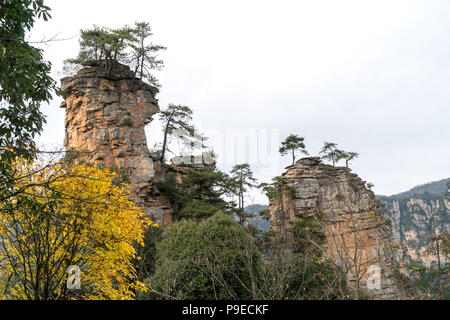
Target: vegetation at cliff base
column 199, row 193
column 432, row 282
column 64, row 215
column 217, row 259
column 213, row 259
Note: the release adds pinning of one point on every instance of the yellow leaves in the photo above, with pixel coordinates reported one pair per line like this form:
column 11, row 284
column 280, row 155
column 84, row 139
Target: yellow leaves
column 90, row 211
column 141, row 287
column 321, row 260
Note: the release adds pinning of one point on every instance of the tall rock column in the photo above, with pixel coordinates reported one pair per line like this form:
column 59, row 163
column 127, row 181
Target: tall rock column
column 356, row 238
column 105, row 119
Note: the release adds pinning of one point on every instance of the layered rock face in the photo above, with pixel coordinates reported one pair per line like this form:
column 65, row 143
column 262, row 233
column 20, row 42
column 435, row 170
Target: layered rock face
column 338, row 200
column 105, row 119
column 417, row 216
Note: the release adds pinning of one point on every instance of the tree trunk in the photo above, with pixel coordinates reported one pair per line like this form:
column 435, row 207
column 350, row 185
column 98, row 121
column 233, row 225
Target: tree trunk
column 163, row 151
column 439, row 267
column 357, row 288
column 142, row 58
column 134, row 78
column 242, row 210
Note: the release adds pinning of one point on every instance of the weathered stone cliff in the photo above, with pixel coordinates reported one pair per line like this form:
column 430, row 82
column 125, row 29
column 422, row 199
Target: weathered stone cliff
column 415, row 217
column 356, row 237
column 105, row 119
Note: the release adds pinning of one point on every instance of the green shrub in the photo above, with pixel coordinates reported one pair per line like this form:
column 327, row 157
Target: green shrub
column 211, row 259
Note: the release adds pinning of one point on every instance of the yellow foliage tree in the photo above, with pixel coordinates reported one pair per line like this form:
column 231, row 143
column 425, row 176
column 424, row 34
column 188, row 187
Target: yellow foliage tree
column 60, row 216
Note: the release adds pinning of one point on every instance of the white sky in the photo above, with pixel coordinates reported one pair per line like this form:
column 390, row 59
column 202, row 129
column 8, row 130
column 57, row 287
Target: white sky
column 372, row 76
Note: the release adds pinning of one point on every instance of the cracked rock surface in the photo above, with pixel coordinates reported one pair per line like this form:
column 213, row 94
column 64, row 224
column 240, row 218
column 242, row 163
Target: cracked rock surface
column 105, row 119
column 339, row 201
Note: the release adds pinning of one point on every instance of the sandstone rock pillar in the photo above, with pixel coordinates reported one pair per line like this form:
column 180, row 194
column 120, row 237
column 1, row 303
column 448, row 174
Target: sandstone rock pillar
column 105, row 119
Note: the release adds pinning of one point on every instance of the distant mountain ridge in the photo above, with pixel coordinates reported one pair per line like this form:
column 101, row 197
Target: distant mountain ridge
column 433, row 188
column 414, row 216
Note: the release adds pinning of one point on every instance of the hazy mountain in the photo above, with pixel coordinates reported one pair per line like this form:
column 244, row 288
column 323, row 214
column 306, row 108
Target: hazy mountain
column 418, row 214
column 258, row 221
column 433, row 188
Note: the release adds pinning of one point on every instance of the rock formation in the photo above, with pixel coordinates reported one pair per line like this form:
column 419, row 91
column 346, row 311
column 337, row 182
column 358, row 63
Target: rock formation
column 417, row 215
column 356, row 237
column 105, row 119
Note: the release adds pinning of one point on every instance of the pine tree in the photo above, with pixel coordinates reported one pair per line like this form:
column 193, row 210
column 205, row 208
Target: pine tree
column 242, row 179
column 291, row 144
column 347, row 156
column 330, row 152
column 175, row 118
column 127, row 45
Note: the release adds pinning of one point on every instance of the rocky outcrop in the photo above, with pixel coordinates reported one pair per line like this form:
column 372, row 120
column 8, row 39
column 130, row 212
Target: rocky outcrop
column 339, row 201
column 416, row 216
column 106, row 114
column 105, row 119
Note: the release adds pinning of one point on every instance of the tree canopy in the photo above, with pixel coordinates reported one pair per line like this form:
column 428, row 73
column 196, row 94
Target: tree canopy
column 206, row 260
column 25, row 81
column 68, row 216
column 291, row 144
column 176, row 119
column 347, row 156
column 330, row 152
column 217, row 259
column 199, row 194
column 128, row 45
column 242, row 179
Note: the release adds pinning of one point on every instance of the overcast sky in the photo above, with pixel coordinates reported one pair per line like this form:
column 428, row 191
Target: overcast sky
column 372, row 76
